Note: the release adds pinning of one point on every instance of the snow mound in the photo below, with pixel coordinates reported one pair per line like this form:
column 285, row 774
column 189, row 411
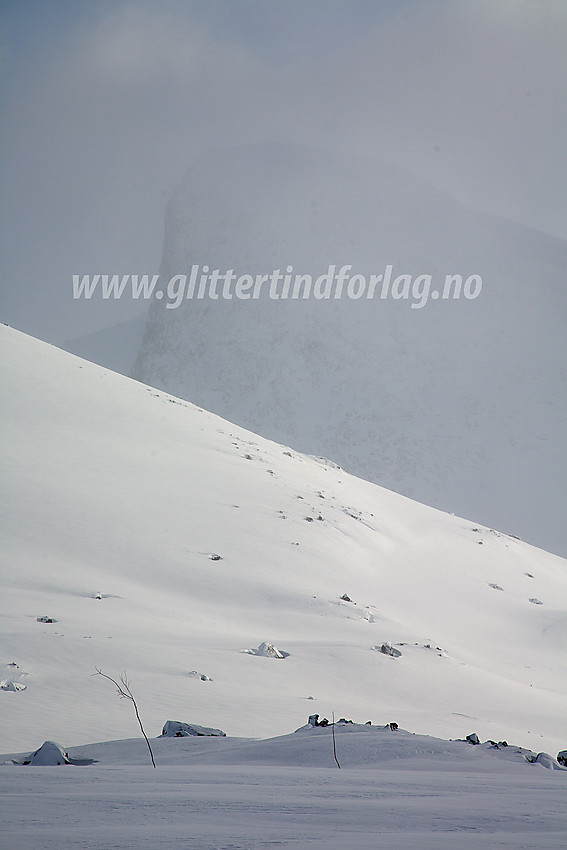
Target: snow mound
column 267, row 650
column 176, row 729
column 49, row 753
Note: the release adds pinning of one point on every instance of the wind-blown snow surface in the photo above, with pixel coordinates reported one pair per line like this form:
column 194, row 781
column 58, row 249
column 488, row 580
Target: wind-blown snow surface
column 161, row 540
column 459, row 404
column 394, row 790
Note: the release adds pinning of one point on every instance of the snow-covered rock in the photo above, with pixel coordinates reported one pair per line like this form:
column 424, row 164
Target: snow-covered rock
column 545, row 760
column 387, row 649
column 176, row 729
column 7, row 685
column 267, row 650
column 49, row 753
column 194, row 674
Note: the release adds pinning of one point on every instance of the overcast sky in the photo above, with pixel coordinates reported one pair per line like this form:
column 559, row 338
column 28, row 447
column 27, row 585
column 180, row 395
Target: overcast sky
column 105, row 103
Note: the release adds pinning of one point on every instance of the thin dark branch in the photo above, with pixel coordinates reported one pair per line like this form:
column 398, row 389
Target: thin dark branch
column 121, row 693
column 124, row 692
column 334, row 745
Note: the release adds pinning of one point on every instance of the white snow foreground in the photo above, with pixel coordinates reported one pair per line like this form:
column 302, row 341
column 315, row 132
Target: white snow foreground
column 394, row 790
column 144, row 534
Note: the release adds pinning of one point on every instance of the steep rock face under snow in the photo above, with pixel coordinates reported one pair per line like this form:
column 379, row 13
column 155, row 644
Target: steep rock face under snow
column 144, row 534
column 459, row 404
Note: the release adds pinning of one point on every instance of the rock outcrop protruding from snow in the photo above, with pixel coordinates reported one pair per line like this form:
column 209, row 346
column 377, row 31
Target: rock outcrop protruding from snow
column 176, row 729
column 314, row 721
column 6, row 685
column 387, row 649
column 194, row 674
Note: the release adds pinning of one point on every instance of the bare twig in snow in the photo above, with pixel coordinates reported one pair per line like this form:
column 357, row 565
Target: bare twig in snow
column 124, row 692
column 334, row 745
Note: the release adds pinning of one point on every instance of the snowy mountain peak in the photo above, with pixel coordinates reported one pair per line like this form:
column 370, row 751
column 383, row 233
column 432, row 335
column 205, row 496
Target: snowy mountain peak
column 458, row 403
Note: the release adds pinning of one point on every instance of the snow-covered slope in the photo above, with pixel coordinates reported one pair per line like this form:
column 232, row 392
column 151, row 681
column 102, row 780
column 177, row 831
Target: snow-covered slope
column 459, row 404
column 166, row 542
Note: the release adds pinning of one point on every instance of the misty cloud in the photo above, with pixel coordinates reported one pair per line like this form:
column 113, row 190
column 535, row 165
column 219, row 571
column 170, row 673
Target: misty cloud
column 107, row 106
